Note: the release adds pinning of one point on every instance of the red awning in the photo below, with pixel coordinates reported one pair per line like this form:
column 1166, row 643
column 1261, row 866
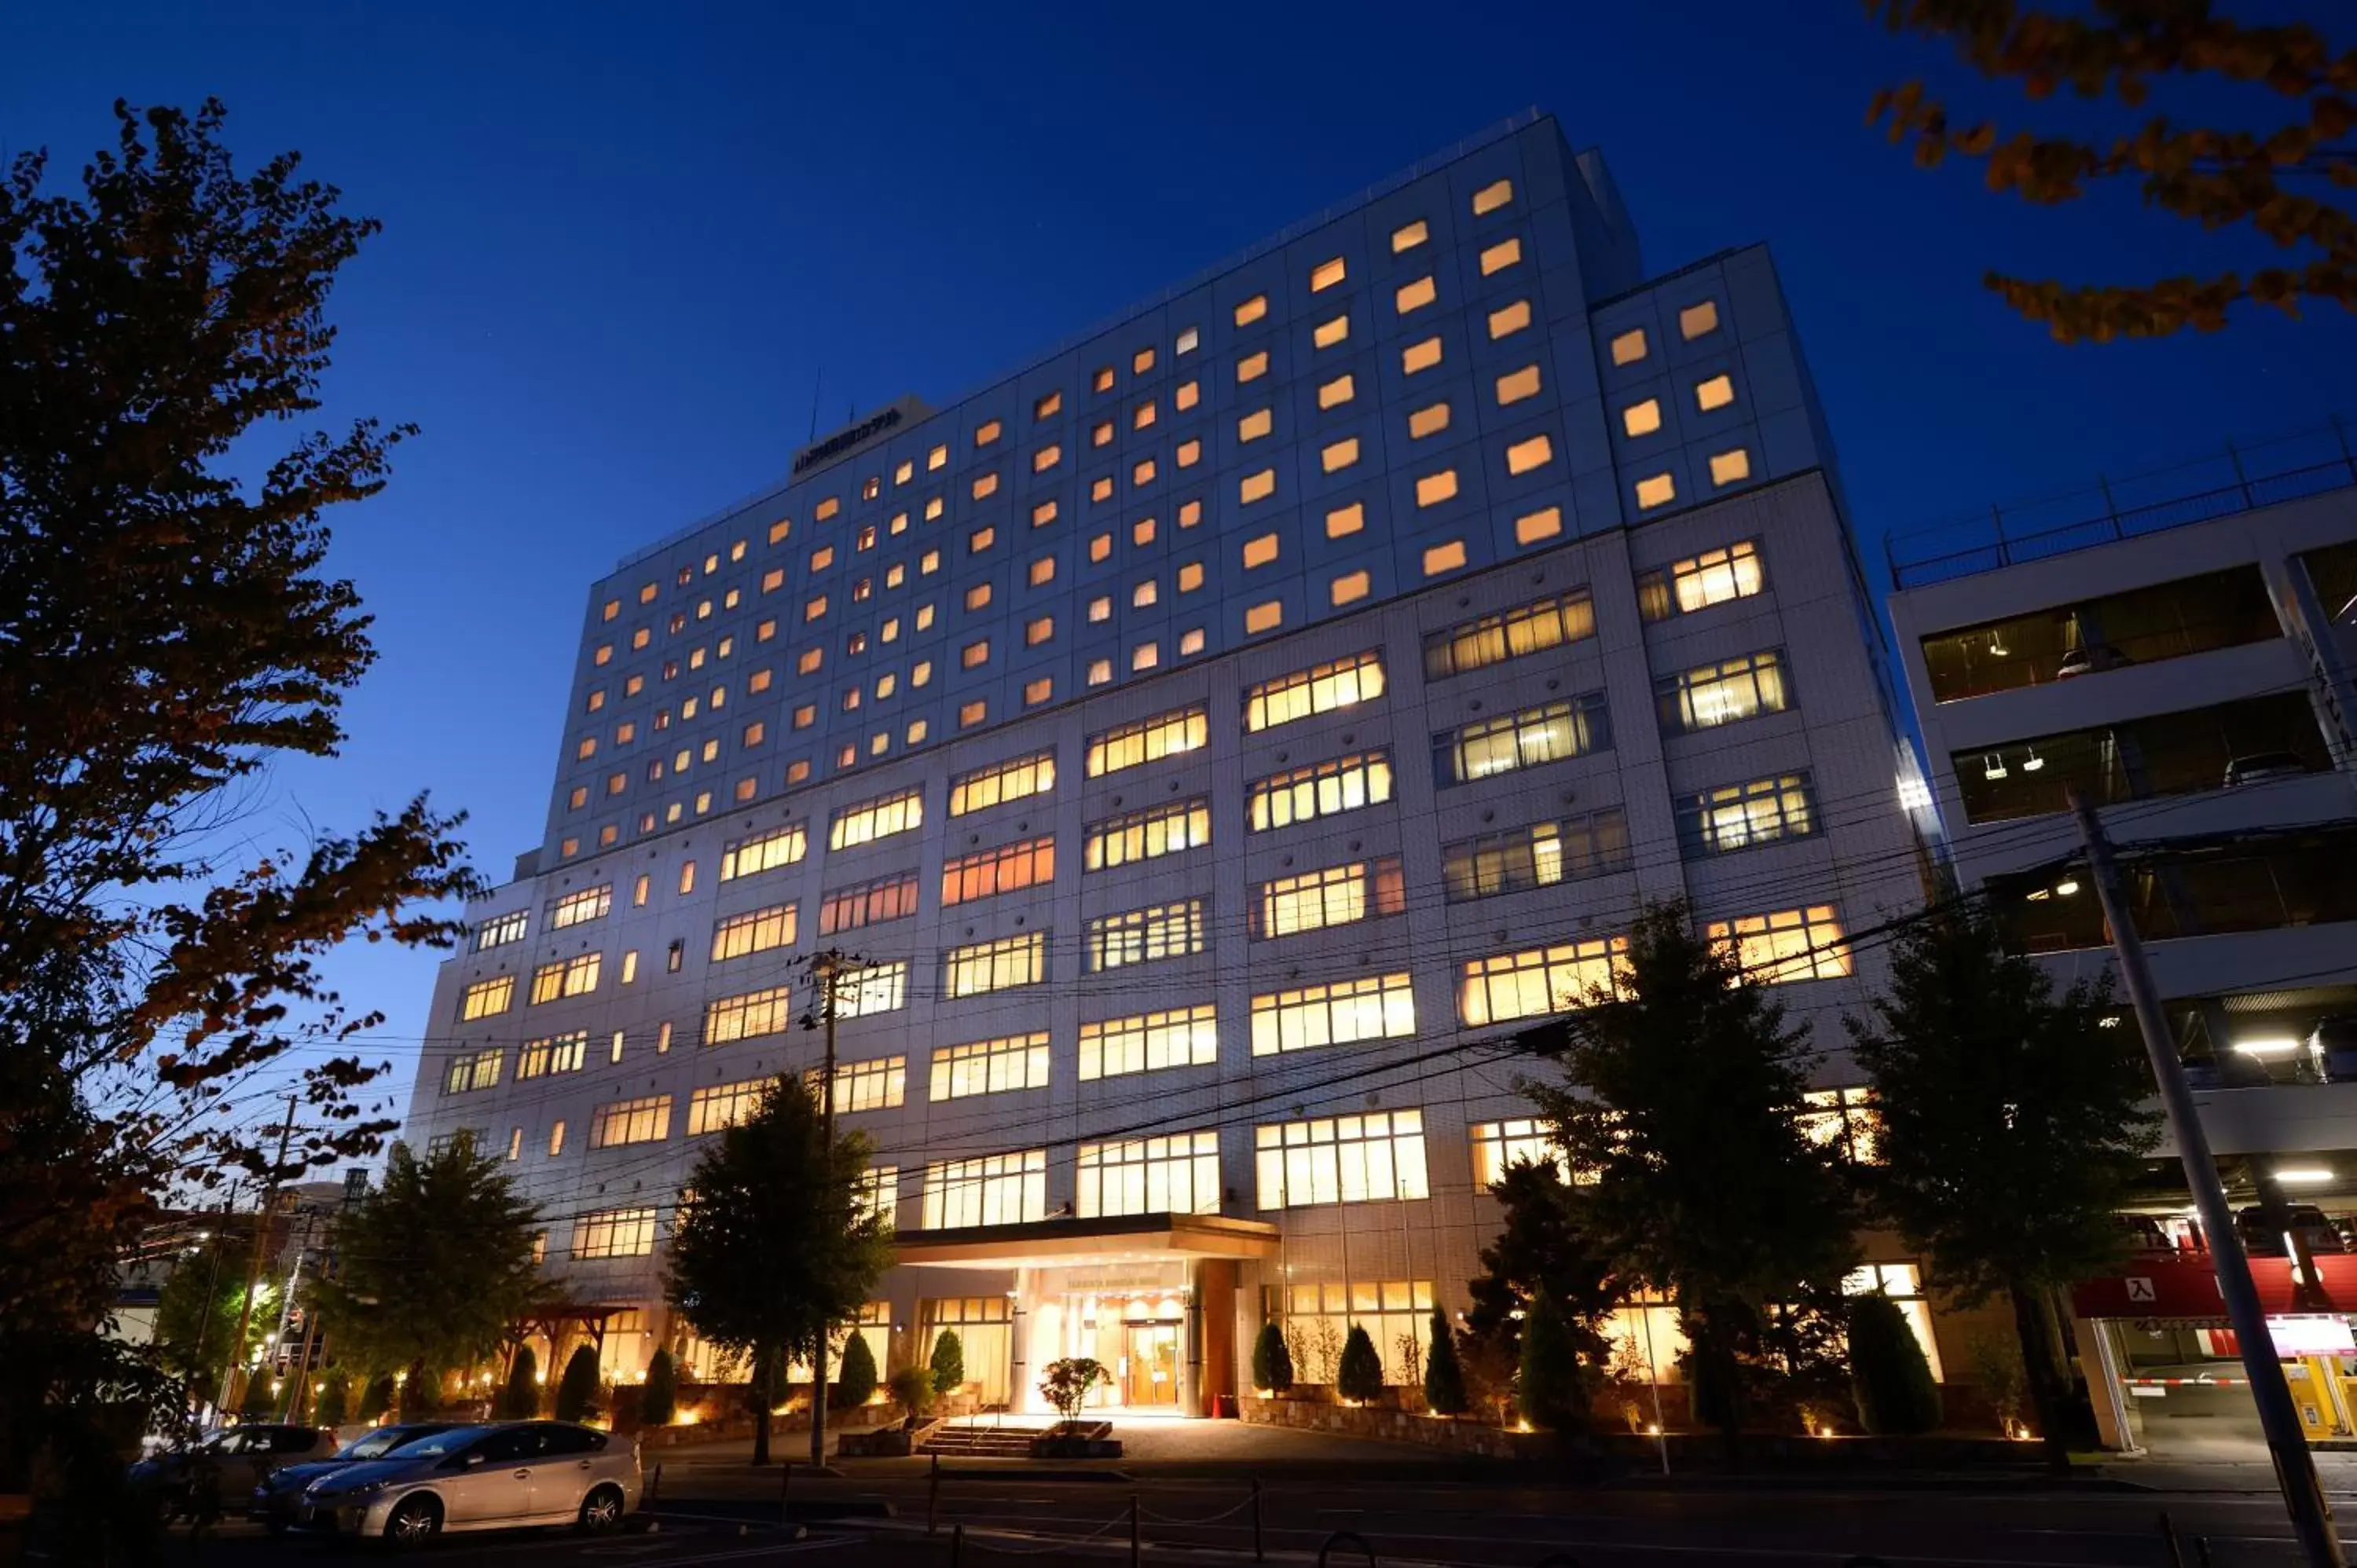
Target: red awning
column 2183, row 1285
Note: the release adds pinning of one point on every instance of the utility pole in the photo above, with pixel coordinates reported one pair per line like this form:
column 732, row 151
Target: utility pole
column 2311, row 1517
column 218, row 1240
column 824, row 966
column 261, row 1245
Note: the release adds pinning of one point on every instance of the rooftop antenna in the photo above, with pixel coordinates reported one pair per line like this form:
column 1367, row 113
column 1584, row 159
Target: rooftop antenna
column 815, row 382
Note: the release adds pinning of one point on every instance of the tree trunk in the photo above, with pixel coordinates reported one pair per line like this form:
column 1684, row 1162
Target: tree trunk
column 2037, row 1370
column 412, row 1401
column 759, row 1389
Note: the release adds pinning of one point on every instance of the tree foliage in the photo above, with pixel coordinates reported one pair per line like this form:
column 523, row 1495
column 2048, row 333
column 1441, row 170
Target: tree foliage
column 167, row 630
column 577, row 1391
column 1890, row 1378
column 2013, row 1124
column 1360, row 1375
column 949, row 1362
column 1272, row 1359
column 854, row 1376
column 1444, row 1375
column 2287, row 184
column 335, row 1406
column 433, row 1268
column 659, row 1395
column 197, row 1309
column 1550, row 1390
column 1544, row 1249
column 1682, row 1095
column 1068, row 1383
column 912, row 1390
column 519, row 1399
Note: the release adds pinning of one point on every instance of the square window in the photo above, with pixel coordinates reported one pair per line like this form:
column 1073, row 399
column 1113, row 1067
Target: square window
column 1252, row 367
column 1100, row 671
column 1189, row 453
column 1141, row 361
column 1101, row 432
column 1532, row 526
column 1415, row 296
column 1190, row 577
column 1516, row 385
column 1501, row 256
column 1351, row 587
column 1102, row 380
column 1265, row 616
column 1038, row 691
column 1344, row 520
column 1043, row 515
column 1141, row 532
column 1102, row 489
column 1257, row 486
column 1048, row 405
column 1046, row 458
column 1628, row 347
column 1429, row 421
column 1659, row 491
column 1420, row 356
column 1100, row 547
column 1143, row 415
column 1509, row 320
column 972, row 713
column 1725, row 468
column 980, row 540
column 1695, row 320
column 905, row 472
column 1439, row 558
column 1251, row 310
column 1339, row 390
column 1190, row 641
column 1340, row 455
column 1255, row 424
column 1326, row 274
column 933, row 509
column 1326, row 334
column 1188, row 395
column 1101, row 608
column 1142, row 473
column 1146, row 656
column 1043, row 570
column 1524, row 456
column 1260, row 551
column 938, row 457
column 824, row 509
column 1716, row 392
column 1190, row 514
column 984, row 433
column 977, row 597
column 1642, row 418
column 1188, row 339
column 1145, row 593
column 1408, row 236
column 1434, row 489
column 1039, row 631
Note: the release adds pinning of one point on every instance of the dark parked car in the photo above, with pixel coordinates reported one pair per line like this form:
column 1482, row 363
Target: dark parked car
column 225, row 1466
column 2087, row 660
column 277, row 1496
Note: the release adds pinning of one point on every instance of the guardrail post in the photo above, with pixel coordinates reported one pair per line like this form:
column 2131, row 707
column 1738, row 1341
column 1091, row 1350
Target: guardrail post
column 654, row 1491
column 785, row 1493
column 957, row 1543
column 1134, row 1545
column 2168, row 1541
column 1258, row 1555
column 933, row 1496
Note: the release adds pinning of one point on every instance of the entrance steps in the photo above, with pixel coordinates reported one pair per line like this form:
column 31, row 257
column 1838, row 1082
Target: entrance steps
column 984, row 1442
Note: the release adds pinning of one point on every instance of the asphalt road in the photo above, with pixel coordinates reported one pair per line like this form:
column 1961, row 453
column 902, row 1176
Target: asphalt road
column 1015, row 1521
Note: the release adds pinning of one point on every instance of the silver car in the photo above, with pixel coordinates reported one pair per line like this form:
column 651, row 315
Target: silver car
column 480, row 1477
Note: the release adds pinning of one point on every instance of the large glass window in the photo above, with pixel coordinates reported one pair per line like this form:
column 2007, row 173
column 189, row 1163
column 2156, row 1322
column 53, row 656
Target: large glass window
column 1003, row 782
column 1319, row 689
column 646, row 1120
column 1146, row 836
column 1339, row 1013
column 1149, row 1042
column 575, row 976
column 1510, row 634
column 1845, row 1118
column 761, row 930
column 990, row 1067
column 579, row 908
column 1144, row 936
column 1174, row 1174
column 990, row 872
column 877, row 1085
column 1322, row 790
column 474, row 1070
column 2251, row 883
column 871, row 903
column 722, row 1105
column 762, row 851
column 1786, row 945
column 878, row 819
column 1331, row 896
column 863, row 989
column 1148, row 740
column 2251, row 739
column 1700, row 581
column 1526, row 739
column 1539, row 855
column 499, row 931
column 1316, row 1320
column 1499, row 1147
column 1001, row 965
column 769, row 1011
column 995, row 1190
column 558, row 1053
column 486, row 997
column 1535, row 981
column 1739, row 816
column 2142, row 626
column 1341, row 1159
column 615, row 1233
column 1721, row 694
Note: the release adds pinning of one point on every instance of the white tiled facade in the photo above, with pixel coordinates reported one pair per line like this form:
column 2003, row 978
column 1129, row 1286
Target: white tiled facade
column 1528, row 501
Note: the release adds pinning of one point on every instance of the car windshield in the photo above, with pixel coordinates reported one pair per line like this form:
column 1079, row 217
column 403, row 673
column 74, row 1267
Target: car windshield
column 439, row 1443
column 379, row 1443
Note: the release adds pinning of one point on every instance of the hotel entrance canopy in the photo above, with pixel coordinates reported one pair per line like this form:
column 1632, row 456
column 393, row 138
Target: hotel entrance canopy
column 1128, row 1239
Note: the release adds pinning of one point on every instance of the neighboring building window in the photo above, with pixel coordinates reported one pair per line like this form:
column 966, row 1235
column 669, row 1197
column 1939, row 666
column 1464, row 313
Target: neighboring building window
column 878, row 1085
column 1628, row 347
column 1516, row 385
column 1174, row 1174
column 486, row 997
column 1146, row 836
column 769, row 1011
column 1324, row 789
column 1341, row 1159
column 1499, row 1147
column 1846, row 1119
column 1536, row 982
column 1001, row 965
column 994, row 871
column 1510, row 634
column 1526, row 739
column 1503, row 255
column 1492, row 196
column 892, row 897
column 575, row 976
column 997, row 1190
column 760, row 931
column 1697, row 320
column 871, row 988
column 1339, row 1013
column 559, row 1053
column 1144, row 936
column 1740, row 816
column 646, row 1120
column 990, row 1067
column 1659, row 491
column 1335, row 896
column 1149, row 1042
column 724, row 1104
column 879, row 819
column 763, row 852
column 1788, row 945
column 1326, row 274
column 478, row 1069
column 1539, row 855
column 1319, row 689
column 615, row 1233
column 502, row 930
column 1721, row 694
column 1902, row 1283
column 1701, row 580
column 1148, row 740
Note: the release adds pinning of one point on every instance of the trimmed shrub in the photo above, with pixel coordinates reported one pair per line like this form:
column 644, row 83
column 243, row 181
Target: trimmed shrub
column 854, row 1384
column 1361, row 1375
column 1550, row 1389
column 949, row 1362
column 1889, row 1376
column 256, row 1402
column 377, row 1398
column 1272, row 1363
column 520, row 1401
column 335, row 1404
column 912, row 1388
column 576, row 1391
column 1444, row 1375
column 659, row 1395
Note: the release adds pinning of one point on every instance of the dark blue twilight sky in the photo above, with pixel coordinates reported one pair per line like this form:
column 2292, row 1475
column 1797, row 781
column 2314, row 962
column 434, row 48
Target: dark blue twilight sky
column 620, row 240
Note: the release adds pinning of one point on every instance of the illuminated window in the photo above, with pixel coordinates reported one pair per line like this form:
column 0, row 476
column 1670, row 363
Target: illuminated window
column 1190, row 577
column 1374, row 1157
column 1742, row 816
column 1335, row 896
column 478, row 1070
column 990, row 872
column 1500, row 1147
column 1252, row 367
column 1721, row 694
column 1420, row 356
column 1142, row 472
column 1101, row 548
column 1325, row 790
column 1101, row 490
column 1039, row 631
column 1143, row 415
column 1434, row 489
column 1321, row 688
column 1509, row 320
column 1536, row 982
column 990, row 1067
column 579, row 908
column 1529, row 738
column 1188, row 395
column 612, row 1232
column 1251, row 310
column 1726, row 468
column 809, row 660
column 1146, row 836
column 879, row 1084
column 872, row 820
column 1260, row 551
column 1542, row 855
column 1265, row 616
column 1146, row 656
column 724, row 1104
column 861, row 991
column 1019, row 780
column 995, row 1190
column 979, row 968
column 1785, row 946
column 1407, row 236
column 1049, row 404
column 1148, row 740
column 814, row 607
column 1326, row 334
column 575, row 976
column 1628, row 347
column 1254, row 425
column 1701, row 580
column 977, row 597
column 1341, row 1012
column 1144, row 936
column 1326, row 274
column 646, row 1120
column 1491, row 197
column 1439, row 558
column 988, row 485
column 1695, row 320
column 826, row 509
column 1524, row 456
column 1100, row 671
column 487, row 997
column 1659, row 491
column 1190, row 514
column 875, row 902
column 1349, row 587
column 1512, row 633
column 936, row 458
column 1038, row 691
column 1043, row 571
column 1345, row 520
column 1187, row 341
column 1149, row 1042
column 1190, row 642
column 1257, row 486
column 1043, row 515
column 1501, row 256
column 1189, row 453
column 974, row 654
column 1415, row 296
column 1516, row 385
column 1143, row 594
column 500, row 932
column 932, row 507
column 1102, row 380
column 760, row 931
column 986, row 432
column 1716, row 392
column 1427, row 421
column 1046, row 457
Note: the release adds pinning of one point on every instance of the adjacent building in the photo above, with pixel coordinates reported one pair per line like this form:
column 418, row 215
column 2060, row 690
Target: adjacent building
column 1205, row 745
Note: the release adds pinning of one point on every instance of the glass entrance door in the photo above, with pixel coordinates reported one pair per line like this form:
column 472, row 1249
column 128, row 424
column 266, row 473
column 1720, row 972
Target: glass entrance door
column 1150, row 1375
